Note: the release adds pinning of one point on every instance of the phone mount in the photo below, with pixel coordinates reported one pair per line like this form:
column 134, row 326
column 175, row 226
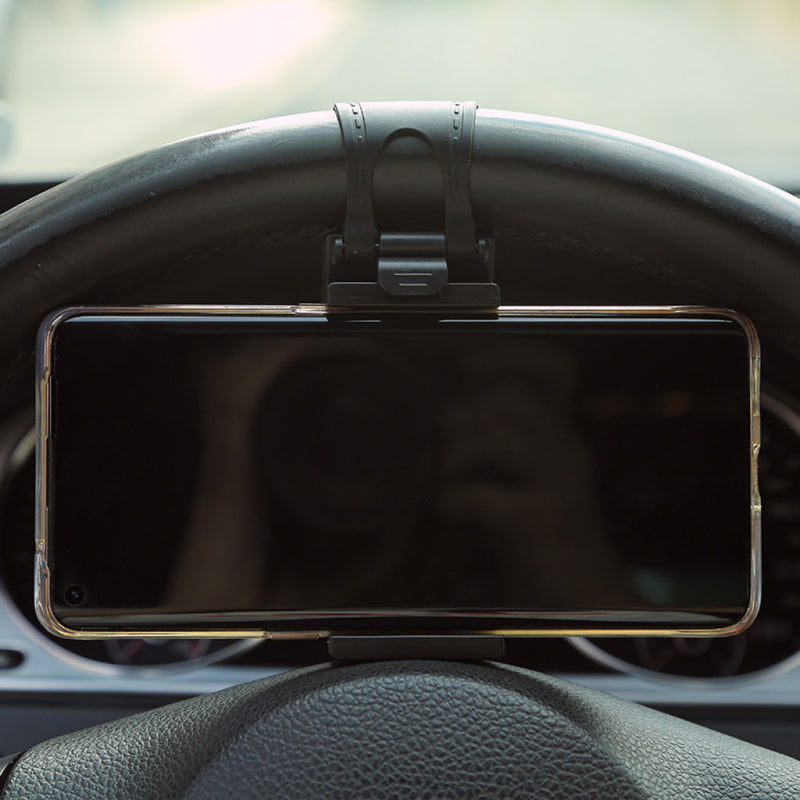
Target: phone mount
column 449, row 269
column 410, row 270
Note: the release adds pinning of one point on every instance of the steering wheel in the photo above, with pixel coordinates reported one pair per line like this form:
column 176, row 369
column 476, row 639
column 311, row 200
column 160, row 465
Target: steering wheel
column 239, row 216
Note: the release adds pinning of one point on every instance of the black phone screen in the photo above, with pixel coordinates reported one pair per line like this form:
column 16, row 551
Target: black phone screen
column 289, row 472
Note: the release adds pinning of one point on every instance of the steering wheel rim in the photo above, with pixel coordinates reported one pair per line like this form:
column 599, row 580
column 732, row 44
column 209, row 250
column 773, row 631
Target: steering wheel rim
column 141, row 231
column 118, row 234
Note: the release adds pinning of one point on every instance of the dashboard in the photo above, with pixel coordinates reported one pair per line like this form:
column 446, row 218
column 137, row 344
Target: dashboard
column 748, row 685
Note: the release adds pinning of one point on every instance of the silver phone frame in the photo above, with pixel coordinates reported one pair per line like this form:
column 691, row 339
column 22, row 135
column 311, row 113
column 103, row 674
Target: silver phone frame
column 42, row 571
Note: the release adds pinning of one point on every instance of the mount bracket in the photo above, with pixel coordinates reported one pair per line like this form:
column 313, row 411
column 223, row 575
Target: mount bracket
column 365, row 267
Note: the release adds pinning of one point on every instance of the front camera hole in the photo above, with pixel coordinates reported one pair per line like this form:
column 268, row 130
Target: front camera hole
column 74, row 595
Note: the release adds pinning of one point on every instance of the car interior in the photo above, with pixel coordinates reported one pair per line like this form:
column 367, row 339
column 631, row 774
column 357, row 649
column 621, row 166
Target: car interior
column 575, row 215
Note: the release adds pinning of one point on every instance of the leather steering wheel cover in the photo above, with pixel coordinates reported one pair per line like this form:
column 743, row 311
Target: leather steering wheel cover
column 403, row 730
column 111, row 235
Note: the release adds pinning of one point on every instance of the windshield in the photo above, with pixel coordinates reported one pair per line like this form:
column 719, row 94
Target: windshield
column 88, row 81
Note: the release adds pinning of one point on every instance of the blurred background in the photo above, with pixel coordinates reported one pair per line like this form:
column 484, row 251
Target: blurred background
column 83, row 82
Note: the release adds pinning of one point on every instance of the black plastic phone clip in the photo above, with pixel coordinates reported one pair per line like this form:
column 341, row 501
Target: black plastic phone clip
column 368, row 268
column 391, row 648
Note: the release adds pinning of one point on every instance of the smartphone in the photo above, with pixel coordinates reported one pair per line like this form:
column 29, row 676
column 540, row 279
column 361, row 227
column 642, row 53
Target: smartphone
column 285, row 471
